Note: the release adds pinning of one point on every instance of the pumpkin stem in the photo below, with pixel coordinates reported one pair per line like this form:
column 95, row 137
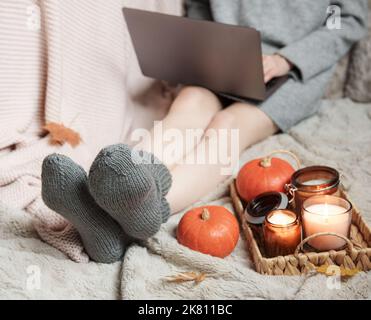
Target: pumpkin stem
column 266, row 162
column 205, row 215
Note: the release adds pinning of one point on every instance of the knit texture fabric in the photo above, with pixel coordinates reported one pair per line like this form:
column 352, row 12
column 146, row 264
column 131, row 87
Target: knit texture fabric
column 65, row 190
column 131, row 190
column 297, row 30
column 69, row 62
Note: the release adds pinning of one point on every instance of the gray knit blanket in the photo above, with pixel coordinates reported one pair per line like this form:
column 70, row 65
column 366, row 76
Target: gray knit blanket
column 338, row 136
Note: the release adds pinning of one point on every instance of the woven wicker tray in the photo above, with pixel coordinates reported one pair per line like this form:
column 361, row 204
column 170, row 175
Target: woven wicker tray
column 356, row 256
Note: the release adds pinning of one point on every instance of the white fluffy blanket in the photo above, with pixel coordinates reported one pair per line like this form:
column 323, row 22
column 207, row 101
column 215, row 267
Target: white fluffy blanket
column 339, row 136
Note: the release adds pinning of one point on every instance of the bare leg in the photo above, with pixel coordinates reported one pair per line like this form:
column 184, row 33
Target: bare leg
column 193, row 109
column 192, row 181
column 198, row 108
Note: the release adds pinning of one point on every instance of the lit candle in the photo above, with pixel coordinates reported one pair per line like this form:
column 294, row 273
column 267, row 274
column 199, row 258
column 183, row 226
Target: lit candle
column 326, row 214
column 282, row 233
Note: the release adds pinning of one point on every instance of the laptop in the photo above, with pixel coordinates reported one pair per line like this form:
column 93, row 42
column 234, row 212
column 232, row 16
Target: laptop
column 223, row 58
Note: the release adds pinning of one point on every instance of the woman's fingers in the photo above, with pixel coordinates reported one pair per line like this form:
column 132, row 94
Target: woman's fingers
column 266, row 62
column 275, row 66
column 268, row 68
column 269, row 75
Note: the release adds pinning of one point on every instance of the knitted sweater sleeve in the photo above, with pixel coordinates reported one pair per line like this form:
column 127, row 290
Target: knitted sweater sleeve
column 322, row 48
column 198, row 9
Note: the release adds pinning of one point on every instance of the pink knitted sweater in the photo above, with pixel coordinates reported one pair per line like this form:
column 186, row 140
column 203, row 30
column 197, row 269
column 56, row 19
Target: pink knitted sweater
column 70, row 62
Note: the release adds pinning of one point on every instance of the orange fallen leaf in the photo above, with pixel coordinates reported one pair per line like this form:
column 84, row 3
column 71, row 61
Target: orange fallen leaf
column 344, row 272
column 59, row 134
column 188, row 276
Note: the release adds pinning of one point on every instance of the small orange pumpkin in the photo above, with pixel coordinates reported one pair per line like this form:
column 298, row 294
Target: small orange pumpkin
column 264, row 175
column 211, row 230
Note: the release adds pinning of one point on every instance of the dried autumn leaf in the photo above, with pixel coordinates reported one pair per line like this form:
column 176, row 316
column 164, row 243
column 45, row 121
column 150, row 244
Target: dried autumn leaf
column 344, row 272
column 200, row 278
column 323, row 269
column 349, row 272
column 59, row 134
column 187, row 276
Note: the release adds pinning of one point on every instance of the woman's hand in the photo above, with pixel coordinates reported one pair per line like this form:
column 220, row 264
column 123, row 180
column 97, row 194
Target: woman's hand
column 275, row 66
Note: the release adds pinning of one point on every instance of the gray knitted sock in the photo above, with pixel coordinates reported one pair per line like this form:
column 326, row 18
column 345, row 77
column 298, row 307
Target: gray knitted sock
column 65, row 190
column 133, row 193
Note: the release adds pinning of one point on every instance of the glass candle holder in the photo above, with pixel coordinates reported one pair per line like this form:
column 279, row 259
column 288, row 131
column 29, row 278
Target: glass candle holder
column 312, row 181
column 326, row 214
column 282, row 233
column 257, row 209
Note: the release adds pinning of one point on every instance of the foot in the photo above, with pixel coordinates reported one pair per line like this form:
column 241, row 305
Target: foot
column 130, row 190
column 65, row 190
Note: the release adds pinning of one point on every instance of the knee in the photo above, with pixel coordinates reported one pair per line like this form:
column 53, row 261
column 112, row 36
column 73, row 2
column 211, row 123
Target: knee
column 198, row 100
column 224, row 120
column 234, row 116
column 195, row 93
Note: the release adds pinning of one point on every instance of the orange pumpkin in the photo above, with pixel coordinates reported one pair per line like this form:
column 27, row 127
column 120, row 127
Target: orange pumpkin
column 211, row 230
column 263, row 175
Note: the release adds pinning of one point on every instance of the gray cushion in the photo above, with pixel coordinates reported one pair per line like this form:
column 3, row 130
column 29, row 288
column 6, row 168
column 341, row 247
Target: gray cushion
column 358, row 86
column 335, row 89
